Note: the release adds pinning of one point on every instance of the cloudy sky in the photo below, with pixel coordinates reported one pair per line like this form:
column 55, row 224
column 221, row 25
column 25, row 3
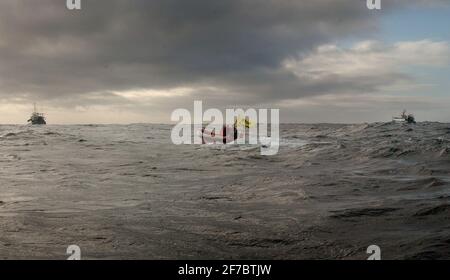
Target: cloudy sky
column 126, row 61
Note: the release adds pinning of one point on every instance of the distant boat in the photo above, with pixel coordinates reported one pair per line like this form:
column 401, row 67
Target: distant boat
column 407, row 118
column 37, row 118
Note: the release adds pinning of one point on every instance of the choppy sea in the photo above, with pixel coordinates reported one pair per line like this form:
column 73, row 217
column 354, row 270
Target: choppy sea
column 126, row 192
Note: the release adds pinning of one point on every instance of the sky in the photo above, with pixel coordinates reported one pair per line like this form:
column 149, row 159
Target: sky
column 134, row 61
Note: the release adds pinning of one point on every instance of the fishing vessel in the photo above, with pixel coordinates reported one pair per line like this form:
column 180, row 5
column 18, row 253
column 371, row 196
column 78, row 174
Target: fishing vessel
column 404, row 117
column 37, row 118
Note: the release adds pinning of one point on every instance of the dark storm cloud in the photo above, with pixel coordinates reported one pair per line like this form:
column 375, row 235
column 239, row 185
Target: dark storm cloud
column 49, row 52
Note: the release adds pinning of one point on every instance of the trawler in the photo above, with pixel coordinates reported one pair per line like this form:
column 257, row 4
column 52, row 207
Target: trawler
column 37, row 118
column 408, row 118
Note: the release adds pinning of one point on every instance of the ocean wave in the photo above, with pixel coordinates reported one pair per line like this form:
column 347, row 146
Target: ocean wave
column 330, row 189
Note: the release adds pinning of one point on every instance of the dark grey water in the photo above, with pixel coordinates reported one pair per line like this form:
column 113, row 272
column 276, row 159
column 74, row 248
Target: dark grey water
column 122, row 192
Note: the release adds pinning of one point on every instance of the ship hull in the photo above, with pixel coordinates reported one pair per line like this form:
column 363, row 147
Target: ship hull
column 37, row 121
